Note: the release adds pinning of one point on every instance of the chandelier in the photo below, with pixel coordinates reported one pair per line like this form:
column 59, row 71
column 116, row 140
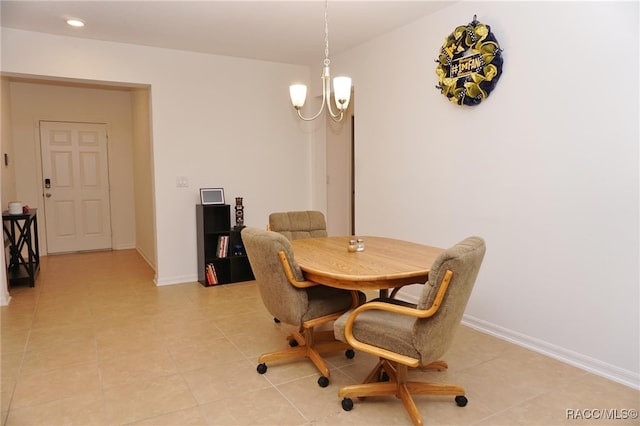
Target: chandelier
column 341, row 85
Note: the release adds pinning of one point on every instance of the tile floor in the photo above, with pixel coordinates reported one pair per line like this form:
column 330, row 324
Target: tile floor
column 97, row 343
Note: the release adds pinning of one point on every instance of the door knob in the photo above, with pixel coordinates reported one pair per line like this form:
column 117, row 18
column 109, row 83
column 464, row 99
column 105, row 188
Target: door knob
column 48, row 195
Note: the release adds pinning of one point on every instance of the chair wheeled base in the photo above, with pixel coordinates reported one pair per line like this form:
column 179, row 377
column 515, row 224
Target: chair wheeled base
column 376, row 384
column 308, row 344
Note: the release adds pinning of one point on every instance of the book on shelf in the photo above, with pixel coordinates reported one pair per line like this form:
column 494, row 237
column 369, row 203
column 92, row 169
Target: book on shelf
column 223, row 246
column 207, row 275
column 210, row 272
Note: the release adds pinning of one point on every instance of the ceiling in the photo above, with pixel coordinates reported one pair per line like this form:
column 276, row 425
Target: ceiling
column 279, row 31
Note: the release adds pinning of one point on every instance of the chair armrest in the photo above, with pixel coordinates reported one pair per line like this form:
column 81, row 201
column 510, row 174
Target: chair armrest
column 397, row 309
column 355, row 300
column 289, row 273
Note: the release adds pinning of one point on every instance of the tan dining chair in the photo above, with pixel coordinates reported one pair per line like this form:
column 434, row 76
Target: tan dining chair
column 405, row 335
column 298, row 224
column 296, row 301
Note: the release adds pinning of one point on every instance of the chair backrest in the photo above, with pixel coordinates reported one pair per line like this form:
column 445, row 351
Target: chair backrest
column 433, row 336
column 298, row 224
column 282, row 300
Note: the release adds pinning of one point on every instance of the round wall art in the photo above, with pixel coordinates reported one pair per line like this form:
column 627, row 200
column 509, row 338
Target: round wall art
column 469, row 64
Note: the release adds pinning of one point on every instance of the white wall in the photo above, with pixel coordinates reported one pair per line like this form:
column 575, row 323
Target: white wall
column 143, row 176
column 545, row 169
column 219, row 121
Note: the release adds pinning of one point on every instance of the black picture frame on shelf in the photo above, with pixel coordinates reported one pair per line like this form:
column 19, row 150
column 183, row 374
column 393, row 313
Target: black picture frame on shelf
column 211, row 196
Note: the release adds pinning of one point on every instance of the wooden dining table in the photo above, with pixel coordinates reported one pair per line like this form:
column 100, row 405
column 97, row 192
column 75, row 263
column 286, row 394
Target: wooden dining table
column 385, row 263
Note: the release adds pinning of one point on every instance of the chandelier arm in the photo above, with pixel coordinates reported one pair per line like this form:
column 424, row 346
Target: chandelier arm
column 324, row 101
column 340, row 112
column 311, row 118
column 338, row 117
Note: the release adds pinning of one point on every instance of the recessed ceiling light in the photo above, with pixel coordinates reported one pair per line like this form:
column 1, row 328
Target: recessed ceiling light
column 75, row 22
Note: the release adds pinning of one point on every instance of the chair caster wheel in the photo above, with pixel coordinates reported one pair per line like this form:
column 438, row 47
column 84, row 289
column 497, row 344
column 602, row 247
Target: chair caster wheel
column 461, row 400
column 276, row 320
column 293, row 343
column 384, row 377
column 323, row 381
column 347, row 404
column 349, row 353
column 262, row 368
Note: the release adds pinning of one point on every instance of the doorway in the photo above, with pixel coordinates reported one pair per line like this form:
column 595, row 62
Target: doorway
column 340, row 173
column 75, row 186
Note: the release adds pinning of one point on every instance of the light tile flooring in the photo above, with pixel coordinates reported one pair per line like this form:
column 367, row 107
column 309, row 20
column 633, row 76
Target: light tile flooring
column 97, row 343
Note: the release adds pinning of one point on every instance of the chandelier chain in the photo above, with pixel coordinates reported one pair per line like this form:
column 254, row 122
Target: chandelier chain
column 327, row 61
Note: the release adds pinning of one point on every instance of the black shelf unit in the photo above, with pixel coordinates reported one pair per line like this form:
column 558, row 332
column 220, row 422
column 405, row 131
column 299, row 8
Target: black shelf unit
column 214, row 221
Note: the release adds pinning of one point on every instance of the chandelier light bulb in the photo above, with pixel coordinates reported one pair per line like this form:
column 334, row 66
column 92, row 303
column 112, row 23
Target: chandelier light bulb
column 342, row 91
column 298, row 93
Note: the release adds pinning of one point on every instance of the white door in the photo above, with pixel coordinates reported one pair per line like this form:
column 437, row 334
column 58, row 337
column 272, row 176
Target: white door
column 75, row 186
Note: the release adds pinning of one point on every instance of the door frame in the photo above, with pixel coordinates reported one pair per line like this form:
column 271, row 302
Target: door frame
column 340, row 142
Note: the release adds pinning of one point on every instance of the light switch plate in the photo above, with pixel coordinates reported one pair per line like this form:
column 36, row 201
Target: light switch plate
column 182, row 182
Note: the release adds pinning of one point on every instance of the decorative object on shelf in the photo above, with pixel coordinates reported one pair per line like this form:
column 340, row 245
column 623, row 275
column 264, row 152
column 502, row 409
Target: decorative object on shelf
column 15, row 207
column 341, row 85
column 211, row 196
column 239, row 213
column 468, row 79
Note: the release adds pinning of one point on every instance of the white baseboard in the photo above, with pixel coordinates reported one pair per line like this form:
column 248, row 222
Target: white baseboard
column 5, row 300
column 124, row 246
column 146, row 259
column 175, row 280
column 608, row 371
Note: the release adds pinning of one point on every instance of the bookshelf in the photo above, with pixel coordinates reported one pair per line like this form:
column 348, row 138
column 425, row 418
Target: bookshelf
column 220, row 247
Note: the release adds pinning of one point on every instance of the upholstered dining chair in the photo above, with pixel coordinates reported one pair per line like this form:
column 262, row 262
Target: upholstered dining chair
column 404, row 335
column 295, row 301
column 298, row 224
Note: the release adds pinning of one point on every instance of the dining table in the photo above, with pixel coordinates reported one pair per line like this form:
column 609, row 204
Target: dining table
column 384, row 263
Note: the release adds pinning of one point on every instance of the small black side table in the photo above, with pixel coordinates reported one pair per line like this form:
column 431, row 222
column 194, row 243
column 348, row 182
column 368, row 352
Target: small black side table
column 21, row 231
